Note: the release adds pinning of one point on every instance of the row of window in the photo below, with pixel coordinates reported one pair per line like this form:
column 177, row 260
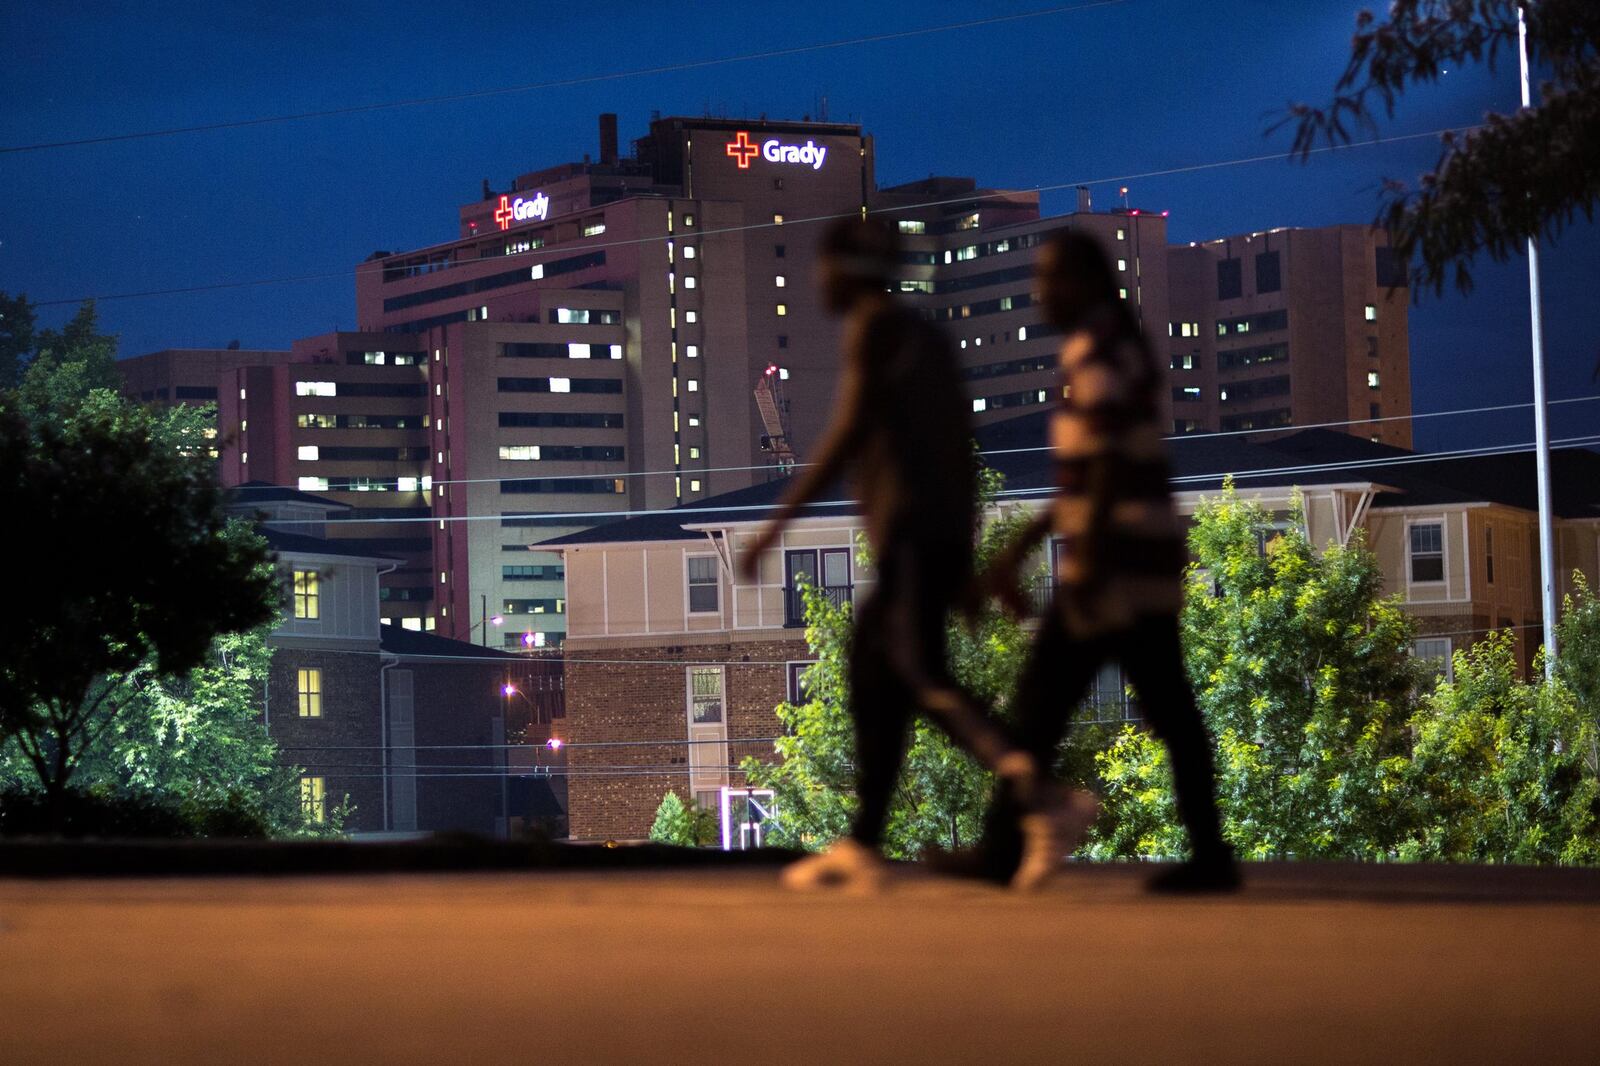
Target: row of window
column 366, row 484
column 604, row 386
column 553, row 268
column 1257, row 356
column 600, row 453
column 535, row 572
column 312, row 453
column 370, row 389
column 561, row 419
column 581, row 485
column 323, row 420
column 546, row 350
column 385, row 358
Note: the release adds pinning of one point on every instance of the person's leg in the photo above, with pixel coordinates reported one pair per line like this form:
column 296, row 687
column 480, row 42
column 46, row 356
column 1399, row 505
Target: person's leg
column 1152, row 653
column 880, row 707
column 1053, row 683
column 915, row 619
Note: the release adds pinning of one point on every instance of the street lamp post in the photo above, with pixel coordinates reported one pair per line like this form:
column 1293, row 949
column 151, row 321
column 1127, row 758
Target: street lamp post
column 1541, row 427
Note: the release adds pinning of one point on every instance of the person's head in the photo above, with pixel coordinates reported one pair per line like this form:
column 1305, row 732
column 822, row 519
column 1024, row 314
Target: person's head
column 858, row 256
column 1074, row 277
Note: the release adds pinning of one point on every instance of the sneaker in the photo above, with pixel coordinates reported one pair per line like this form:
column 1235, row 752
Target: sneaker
column 847, row 866
column 1049, row 836
column 1198, row 877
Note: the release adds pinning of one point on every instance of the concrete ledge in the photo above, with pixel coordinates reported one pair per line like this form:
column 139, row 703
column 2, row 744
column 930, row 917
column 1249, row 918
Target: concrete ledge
column 222, row 858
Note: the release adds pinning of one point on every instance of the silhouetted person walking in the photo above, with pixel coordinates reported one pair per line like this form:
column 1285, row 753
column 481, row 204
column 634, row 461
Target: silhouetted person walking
column 902, row 423
column 1119, row 557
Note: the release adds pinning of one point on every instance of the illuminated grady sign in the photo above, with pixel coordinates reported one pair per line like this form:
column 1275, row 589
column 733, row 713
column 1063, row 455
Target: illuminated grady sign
column 521, row 209
column 742, row 149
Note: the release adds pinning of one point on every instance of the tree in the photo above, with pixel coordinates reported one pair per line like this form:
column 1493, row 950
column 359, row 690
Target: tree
column 16, row 338
column 153, row 569
column 1303, row 673
column 943, row 793
column 1579, row 664
column 1500, row 768
column 195, row 744
column 682, row 825
column 1514, row 177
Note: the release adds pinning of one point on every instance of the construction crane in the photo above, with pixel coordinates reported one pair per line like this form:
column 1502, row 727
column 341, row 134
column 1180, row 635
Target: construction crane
column 775, row 419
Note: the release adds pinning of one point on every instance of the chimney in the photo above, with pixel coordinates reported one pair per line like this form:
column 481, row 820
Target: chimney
column 1083, row 200
column 608, row 139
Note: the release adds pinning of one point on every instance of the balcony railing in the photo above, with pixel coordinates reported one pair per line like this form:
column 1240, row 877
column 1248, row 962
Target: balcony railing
column 794, row 602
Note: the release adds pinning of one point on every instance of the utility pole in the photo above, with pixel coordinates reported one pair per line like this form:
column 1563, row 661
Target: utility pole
column 1541, row 427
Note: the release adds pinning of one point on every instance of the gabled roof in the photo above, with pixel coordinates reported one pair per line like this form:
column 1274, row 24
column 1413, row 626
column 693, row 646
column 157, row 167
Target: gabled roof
column 399, row 640
column 1017, row 448
column 304, row 544
column 258, row 492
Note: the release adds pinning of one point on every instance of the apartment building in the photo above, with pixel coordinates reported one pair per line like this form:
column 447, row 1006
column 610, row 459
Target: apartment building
column 404, row 730
column 675, row 665
column 187, row 375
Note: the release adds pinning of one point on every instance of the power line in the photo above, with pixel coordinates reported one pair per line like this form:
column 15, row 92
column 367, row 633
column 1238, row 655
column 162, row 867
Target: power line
column 562, row 83
column 627, row 474
column 550, row 251
column 596, row 516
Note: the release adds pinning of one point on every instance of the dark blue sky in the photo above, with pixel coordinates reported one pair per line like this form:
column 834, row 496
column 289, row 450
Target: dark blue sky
column 1144, row 85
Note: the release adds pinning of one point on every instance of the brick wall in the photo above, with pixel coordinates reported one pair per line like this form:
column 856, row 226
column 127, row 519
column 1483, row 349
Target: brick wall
column 344, row 744
column 614, row 790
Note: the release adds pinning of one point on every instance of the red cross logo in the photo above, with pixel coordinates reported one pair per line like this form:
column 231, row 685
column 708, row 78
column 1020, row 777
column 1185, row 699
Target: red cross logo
column 502, row 213
column 740, row 150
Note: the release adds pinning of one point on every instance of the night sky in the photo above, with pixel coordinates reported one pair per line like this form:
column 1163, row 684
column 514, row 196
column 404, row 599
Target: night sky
column 1140, row 86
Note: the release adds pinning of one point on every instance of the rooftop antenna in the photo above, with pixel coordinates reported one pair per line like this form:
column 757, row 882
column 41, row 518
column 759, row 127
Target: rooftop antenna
column 1124, row 192
column 822, row 110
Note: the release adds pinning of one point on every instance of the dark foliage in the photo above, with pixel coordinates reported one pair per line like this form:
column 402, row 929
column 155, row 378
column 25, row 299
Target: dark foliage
column 1525, row 175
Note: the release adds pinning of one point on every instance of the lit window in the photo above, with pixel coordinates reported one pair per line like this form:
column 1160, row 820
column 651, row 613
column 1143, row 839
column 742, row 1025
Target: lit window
column 1122, row 293
column 427, row 483
column 969, row 252
column 980, row 405
column 577, row 351
column 694, row 420
column 307, row 453
column 241, row 394
column 413, row 624
column 783, row 373
column 705, row 695
column 1372, row 312
column 688, row 251
column 1122, row 234
column 907, row 225
column 691, row 316
column 783, row 309
column 313, row 388
column 777, row 220
column 307, row 597
column 1372, row 379
column 308, row 689
column 688, row 220
column 1022, row 333
column 519, row 452
column 560, row 384
column 313, row 484
column 694, row 485
column 1427, row 551
column 694, row 384
column 1122, row 264
column 694, row 452
column 967, row 221
column 441, row 577
column 779, row 281
column 406, row 484
column 616, row 351
column 244, row 457
column 593, row 229
column 691, row 351
column 536, row 272
column 314, row 798
column 688, row 281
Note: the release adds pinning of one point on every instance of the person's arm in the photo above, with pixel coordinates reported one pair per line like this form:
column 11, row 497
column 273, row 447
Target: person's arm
column 1000, row 578
column 832, row 454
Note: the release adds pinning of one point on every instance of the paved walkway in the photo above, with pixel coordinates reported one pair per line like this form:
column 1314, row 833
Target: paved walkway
column 1311, row 964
